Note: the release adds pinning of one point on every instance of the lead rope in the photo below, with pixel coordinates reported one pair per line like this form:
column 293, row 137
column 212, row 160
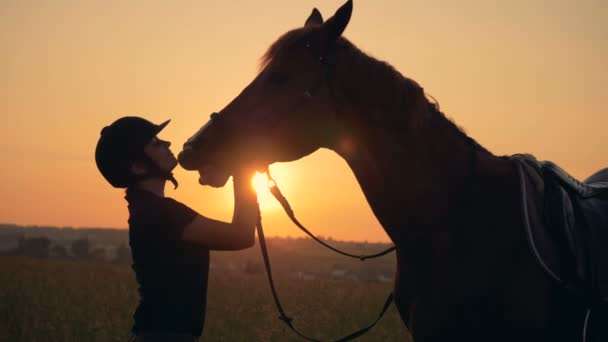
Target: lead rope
column 282, row 315
column 288, row 320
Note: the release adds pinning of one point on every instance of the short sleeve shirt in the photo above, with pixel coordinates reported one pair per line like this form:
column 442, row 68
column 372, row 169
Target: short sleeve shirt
column 171, row 273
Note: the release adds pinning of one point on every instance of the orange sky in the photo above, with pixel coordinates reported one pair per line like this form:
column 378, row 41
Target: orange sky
column 518, row 76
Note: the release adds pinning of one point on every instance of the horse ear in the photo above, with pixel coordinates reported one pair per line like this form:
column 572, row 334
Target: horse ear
column 315, row 18
column 335, row 25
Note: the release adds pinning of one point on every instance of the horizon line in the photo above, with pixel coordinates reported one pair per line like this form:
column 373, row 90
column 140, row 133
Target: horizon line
column 322, row 237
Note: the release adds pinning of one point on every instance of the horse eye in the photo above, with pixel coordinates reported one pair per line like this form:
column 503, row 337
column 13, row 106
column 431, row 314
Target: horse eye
column 277, row 78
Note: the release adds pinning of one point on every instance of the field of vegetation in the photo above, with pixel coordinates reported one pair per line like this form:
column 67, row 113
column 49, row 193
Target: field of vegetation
column 72, row 300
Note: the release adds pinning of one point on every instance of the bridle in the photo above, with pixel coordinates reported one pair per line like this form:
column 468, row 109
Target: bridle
column 327, row 64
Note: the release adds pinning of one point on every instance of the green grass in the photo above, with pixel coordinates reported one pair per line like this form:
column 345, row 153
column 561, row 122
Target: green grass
column 69, row 300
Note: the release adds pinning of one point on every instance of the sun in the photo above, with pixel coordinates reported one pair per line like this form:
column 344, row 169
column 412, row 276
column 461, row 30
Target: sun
column 265, row 198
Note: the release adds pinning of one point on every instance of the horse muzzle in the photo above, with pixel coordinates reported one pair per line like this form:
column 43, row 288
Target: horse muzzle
column 187, row 159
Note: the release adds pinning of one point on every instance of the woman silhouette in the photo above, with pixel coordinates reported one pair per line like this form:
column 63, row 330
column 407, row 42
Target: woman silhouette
column 169, row 242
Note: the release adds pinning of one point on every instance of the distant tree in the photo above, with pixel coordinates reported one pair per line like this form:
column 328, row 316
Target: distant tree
column 35, row 247
column 123, row 254
column 20, row 246
column 59, row 251
column 80, row 248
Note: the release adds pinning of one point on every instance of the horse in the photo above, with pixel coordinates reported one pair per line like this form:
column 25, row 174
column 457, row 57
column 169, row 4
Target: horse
column 465, row 271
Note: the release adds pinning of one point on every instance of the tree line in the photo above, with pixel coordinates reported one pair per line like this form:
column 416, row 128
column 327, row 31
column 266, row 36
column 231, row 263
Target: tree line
column 81, row 248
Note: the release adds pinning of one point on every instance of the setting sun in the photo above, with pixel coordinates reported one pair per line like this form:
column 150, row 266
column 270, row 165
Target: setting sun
column 265, row 198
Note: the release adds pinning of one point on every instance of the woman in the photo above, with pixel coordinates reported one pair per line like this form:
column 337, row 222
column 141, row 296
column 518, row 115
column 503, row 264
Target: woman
column 169, row 242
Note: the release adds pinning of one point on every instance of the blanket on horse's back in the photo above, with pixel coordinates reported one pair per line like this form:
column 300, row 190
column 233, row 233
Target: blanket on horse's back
column 567, row 227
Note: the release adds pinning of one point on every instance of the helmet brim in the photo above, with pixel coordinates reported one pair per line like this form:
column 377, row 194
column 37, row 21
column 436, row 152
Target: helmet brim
column 162, row 125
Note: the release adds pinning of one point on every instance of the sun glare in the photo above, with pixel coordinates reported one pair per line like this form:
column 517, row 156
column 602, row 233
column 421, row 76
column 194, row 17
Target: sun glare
column 265, row 198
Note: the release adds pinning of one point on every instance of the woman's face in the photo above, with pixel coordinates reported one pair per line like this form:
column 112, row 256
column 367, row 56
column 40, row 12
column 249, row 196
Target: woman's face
column 158, row 151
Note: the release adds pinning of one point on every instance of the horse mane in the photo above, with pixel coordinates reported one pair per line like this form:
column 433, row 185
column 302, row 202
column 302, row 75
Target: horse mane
column 284, row 42
column 403, row 94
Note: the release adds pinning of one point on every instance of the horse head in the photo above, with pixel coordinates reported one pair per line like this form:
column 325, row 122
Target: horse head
column 287, row 112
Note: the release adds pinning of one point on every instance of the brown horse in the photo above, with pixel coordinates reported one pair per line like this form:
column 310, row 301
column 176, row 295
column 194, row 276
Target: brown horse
column 465, row 271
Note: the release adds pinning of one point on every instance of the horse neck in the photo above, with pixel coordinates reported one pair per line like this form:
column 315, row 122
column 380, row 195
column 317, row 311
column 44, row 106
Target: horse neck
column 413, row 177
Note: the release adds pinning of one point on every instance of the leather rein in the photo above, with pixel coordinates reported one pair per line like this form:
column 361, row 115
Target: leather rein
column 276, row 192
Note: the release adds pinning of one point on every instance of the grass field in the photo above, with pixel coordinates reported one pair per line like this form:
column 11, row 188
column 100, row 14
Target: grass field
column 73, row 301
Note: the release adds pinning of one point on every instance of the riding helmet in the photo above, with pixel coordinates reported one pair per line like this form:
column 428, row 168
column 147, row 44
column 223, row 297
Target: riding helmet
column 120, row 144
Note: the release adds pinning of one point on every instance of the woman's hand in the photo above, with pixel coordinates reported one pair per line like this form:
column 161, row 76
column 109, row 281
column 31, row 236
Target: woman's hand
column 217, row 178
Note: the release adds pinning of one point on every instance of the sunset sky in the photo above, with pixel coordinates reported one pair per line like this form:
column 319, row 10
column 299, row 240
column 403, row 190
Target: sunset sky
column 518, row 76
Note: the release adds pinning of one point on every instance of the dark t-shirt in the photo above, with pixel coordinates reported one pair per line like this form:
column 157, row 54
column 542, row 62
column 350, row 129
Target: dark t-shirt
column 171, row 273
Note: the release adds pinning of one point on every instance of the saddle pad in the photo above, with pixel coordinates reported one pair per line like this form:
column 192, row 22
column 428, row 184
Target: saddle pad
column 545, row 245
column 567, row 229
column 573, row 219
